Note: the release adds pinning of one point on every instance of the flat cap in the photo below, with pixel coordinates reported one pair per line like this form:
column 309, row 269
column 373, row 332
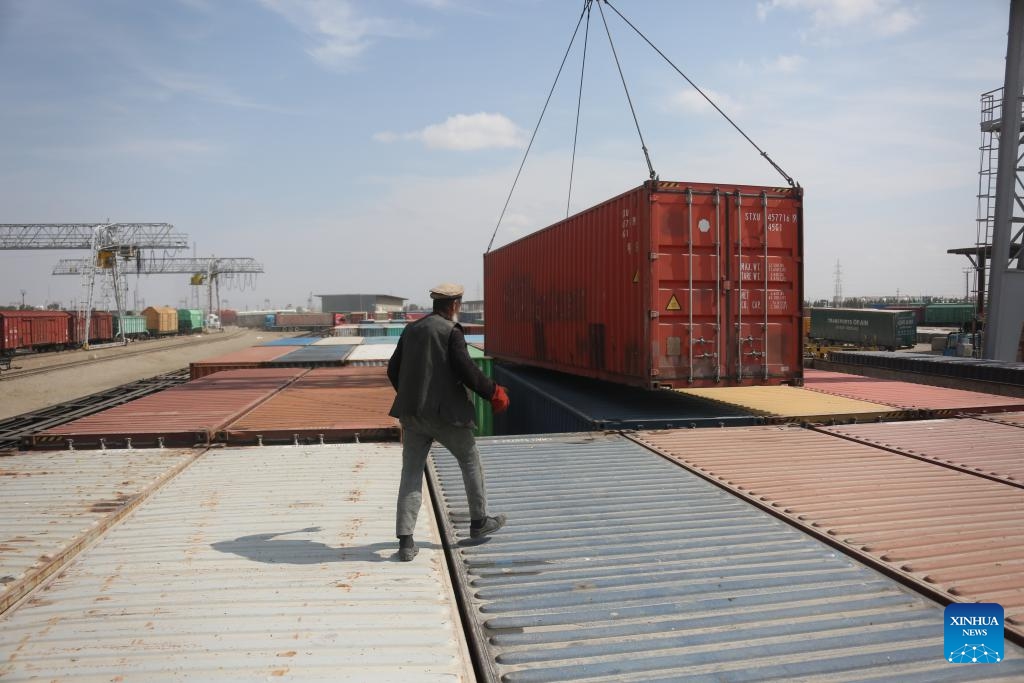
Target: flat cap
column 447, row 290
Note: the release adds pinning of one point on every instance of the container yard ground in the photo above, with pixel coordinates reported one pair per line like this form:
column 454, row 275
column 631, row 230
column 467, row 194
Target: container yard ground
column 20, row 395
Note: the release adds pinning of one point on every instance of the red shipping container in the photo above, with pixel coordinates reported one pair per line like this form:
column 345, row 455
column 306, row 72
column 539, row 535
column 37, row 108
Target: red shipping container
column 228, row 316
column 101, row 326
column 33, row 330
column 679, row 284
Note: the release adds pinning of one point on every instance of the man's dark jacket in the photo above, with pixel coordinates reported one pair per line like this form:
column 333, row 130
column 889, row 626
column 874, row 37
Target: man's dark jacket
column 431, row 369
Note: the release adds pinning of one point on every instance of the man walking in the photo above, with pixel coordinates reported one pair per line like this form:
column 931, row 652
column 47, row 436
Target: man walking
column 430, row 370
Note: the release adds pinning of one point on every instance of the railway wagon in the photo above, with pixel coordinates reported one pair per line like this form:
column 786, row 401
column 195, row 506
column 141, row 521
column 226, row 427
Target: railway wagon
column 948, row 314
column 668, row 284
column 33, row 331
column 190, row 320
column 101, row 327
column 130, row 326
column 161, row 320
column 290, row 321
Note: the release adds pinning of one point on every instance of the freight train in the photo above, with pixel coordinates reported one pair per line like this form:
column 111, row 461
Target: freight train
column 59, row 330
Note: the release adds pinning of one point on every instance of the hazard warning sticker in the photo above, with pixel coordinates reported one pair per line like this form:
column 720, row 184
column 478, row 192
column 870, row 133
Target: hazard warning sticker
column 673, row 304
column 636, row 276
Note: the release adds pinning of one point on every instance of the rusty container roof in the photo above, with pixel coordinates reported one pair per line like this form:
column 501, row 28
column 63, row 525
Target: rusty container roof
column 988, row 449
column 619, row 565
column 1015, row 418
column 333, row 403
column 182, row 415
column 907, row 395
column 252, row 357
column 792, row 403
column 351, row 376
column 53, row 503
column 950, row 532
column 252, row 564
column 249, row 355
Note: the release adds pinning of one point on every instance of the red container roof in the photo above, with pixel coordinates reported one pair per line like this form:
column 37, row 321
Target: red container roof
column 181, row 415
column 906, row 395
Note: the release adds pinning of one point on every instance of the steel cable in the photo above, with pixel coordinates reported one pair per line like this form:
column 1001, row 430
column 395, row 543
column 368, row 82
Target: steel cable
column 579, row 103
column 764, row 154
column 586, row 6
column 629, row 99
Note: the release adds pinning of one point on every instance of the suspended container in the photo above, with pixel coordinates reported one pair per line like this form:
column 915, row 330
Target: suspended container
column 678, row 284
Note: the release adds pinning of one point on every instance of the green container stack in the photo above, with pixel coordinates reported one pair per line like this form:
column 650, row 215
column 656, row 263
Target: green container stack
column 484, row 416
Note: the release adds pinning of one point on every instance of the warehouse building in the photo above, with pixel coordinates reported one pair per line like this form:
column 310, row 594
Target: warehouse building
column 371, row 303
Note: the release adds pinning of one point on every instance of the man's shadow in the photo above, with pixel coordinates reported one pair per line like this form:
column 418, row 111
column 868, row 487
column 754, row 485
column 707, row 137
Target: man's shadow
column 271, row 549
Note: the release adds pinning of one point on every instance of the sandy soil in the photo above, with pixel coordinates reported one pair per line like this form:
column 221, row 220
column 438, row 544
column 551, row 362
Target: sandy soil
column 21, row 395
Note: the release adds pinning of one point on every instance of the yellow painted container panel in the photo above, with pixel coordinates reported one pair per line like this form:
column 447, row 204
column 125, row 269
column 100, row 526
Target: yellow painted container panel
column 794, row 403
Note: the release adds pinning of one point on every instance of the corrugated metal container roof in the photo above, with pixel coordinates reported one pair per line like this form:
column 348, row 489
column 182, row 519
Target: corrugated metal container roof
column 317, row 354
column 182, row 415
column 617, row 565
column 334, row 341
column 252, row 357
column 345, row 376
column 1015, row 419
column 945, row 530
column 332, row 403
column 249, row 355
column 373, row 352
column 52, row 503
column 792, row 403
column 253, row 564
column 989, row 449
column 543, row 401
column 292, row 341
column 906, row 395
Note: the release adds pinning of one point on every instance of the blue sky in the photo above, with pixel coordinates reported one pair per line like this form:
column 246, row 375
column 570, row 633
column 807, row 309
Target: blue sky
column 352, row 145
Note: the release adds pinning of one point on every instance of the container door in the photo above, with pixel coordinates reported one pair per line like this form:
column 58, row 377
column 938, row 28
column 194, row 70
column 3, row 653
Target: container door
column 687, row 296
column 763, row 291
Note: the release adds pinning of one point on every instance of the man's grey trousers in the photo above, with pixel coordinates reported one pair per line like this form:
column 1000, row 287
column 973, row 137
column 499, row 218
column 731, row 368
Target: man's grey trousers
column 419, row 435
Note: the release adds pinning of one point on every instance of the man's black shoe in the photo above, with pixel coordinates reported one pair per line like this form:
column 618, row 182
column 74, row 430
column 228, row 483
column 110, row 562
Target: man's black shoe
column 490, row 525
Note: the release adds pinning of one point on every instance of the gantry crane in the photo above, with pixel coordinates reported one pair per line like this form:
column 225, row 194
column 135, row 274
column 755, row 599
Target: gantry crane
column 110, row 244
column 1003, row 327
column 204, row 270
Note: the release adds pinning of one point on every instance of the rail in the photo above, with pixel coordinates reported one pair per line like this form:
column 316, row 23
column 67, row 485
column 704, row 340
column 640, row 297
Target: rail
column 17, row 374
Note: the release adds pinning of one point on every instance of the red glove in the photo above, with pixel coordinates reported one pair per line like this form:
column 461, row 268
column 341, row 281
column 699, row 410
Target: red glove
column 499, row 401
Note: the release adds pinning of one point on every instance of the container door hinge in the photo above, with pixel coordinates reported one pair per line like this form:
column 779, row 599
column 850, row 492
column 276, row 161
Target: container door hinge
column 654, row 314
column 653, row 256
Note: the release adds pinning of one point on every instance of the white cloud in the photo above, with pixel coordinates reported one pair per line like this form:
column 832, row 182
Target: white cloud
column 785, row 64
column 880, row 17
column 464, row 132
column 689, row 100
column 341, row 32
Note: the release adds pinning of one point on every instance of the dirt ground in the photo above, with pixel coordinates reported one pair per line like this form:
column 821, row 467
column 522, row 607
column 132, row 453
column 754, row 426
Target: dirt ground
column 21, row 395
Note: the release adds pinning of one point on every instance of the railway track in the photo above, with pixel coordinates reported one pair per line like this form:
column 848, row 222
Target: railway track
column 29, row 372
column 14, row 429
